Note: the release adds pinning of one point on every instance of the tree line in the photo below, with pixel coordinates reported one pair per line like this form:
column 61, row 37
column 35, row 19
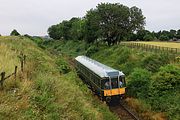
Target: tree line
column 145, row 35
column 108, row 22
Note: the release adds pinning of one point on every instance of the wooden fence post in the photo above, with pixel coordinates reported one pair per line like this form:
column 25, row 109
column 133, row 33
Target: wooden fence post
column 15, row 73
column 22, row 65
column 24, row 60
column 176, row 50
column 2, row 79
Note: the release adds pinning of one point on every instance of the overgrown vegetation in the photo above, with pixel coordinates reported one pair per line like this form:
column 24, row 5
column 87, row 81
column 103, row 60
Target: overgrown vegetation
column 43, row 93
column 152, row 78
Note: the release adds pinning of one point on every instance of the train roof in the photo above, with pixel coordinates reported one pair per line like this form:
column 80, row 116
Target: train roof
column 99, row 68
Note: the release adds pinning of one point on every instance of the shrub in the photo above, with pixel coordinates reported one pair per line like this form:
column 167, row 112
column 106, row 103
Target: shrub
column 124, row 54
column 91, row 50
column 14, row 33
column 148, row 37
column 63, row 66
column 164, row 38
column 139, row 81
column 153, row 62
column 164, row 91
column 128, row 67
column 168, row 78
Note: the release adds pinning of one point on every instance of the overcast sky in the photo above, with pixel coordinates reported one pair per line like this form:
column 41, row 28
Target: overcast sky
column 35, row 16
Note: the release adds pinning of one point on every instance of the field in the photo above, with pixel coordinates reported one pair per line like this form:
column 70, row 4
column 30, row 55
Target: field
column 162, row 44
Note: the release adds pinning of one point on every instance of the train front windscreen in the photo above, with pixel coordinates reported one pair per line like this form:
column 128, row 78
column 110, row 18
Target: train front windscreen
column 114, row 83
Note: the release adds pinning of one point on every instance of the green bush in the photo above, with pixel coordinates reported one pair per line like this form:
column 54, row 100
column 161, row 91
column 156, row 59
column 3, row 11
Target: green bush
column 148, row 37
column 164, row 38
column 14, row 33
column 63, row 66
column 123, row 55
column 91, row 50
column 139, row 81
column 164, row 91
column 128, row 67
column 168, row 78
column 153, row 62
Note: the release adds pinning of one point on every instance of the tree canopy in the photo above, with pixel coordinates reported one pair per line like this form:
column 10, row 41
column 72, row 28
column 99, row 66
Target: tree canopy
column 109, row 23
column 112, row 22
column 67, row 30
column 14, row 33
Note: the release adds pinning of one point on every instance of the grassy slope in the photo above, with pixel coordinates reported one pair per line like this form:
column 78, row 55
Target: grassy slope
column 127, row 60
column 41, row 92
column 7, row 59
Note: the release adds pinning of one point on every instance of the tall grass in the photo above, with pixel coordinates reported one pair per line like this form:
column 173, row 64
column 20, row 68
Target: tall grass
column 8, row 58
column 44, row 93
column 133, row 62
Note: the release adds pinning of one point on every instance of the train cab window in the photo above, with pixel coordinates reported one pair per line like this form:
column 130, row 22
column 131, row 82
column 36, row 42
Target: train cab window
column 122, row 82
column 107, row 85
column 114, row 83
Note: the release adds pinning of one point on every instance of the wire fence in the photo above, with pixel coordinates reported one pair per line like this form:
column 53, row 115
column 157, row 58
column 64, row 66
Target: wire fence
column 4, row 77
column 153, row 48
column 175, row 52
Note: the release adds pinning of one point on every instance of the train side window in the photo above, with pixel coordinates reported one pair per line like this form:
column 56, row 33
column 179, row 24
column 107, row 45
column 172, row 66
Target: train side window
column 122, row 82
column 114, row 83
column 99, row 82
column 107, row 85
column 94, row 79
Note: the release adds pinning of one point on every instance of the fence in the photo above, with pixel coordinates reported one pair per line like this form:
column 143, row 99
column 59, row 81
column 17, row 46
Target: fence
column 152, row 48
column 3, row 74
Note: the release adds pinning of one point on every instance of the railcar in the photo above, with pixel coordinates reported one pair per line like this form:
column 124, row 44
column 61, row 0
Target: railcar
column 107, row 82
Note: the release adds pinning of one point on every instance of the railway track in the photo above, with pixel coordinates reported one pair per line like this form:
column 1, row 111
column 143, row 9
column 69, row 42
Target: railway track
column 123, row 112
column 116, row 107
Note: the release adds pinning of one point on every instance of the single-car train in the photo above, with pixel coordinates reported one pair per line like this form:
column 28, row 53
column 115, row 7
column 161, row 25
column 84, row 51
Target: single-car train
column 107, row 82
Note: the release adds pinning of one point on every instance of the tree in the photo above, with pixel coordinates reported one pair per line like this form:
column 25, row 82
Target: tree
column 178, row 32
column 67, row 29
column 172, row 33
column 14, row 33
column 148, row 37
column 92, row 30
column 113, row 22
column 77, row 26
column 54, row 32
column 164, row 37
column 141, row 34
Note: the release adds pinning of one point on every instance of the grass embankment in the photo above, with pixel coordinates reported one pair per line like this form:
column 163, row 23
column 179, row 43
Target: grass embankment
column 153, row 80
column 41, row 92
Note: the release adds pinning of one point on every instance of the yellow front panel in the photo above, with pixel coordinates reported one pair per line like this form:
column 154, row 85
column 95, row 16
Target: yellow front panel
column 112, row 92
